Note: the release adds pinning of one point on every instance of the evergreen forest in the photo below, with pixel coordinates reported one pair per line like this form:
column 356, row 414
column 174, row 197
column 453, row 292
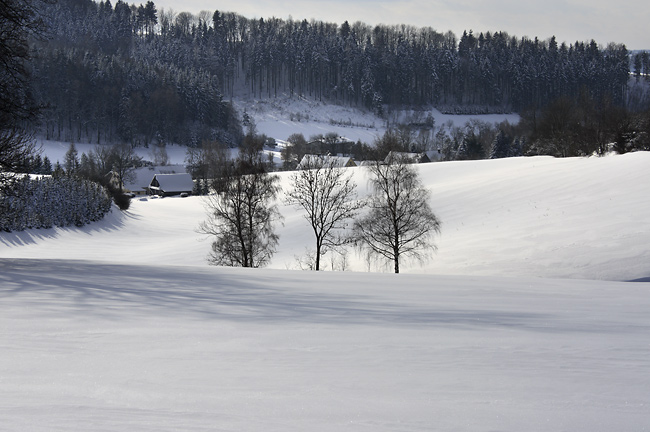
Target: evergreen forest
column 132, row 73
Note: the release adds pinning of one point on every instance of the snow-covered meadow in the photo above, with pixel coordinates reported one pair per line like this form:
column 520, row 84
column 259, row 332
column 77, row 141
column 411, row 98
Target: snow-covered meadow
column 585, row 218
column 90, row 345
column 522, row 320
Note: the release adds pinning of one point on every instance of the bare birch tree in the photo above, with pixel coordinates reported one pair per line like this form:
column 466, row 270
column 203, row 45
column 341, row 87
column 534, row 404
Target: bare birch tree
column 125, row 161
column 327, row 193
column 400, row 223
column 241, row 215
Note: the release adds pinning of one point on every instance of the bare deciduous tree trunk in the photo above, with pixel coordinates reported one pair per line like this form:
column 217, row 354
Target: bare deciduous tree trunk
column 400, row 222
column 241, row 215
column 327, row 194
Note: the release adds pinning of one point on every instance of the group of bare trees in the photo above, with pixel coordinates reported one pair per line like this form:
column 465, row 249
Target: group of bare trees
column 397, row 221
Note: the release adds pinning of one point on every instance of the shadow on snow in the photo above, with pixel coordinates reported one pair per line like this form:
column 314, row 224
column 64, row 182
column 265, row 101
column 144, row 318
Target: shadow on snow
column 123, row 291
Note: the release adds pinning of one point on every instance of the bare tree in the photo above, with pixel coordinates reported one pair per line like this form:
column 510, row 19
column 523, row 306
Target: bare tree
column 159, row 154
column 16, row 148
column 293, row 152
column 19, row 21
column 241, row 215
column 400, row 223
column 125, row 161
column 208, row 162
column 327, row 193
column 103, row 161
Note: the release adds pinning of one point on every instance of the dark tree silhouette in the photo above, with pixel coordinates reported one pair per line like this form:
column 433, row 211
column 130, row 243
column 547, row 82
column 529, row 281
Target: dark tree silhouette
column 241, row 215
column 400, row 223
column 326, row 192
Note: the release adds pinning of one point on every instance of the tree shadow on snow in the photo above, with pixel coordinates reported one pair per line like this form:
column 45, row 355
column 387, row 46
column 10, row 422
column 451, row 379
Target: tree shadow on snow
column 121, row 291
column 645, row 279
column 111, row 222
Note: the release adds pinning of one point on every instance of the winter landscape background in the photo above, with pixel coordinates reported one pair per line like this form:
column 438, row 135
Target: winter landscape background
column 521, row 321
column 531, row 316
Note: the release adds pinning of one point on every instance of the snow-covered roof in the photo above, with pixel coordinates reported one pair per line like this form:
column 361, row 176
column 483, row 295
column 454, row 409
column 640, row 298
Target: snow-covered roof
column 311, row 161
column 171, row 183
column 434, row 155
column 142, row 176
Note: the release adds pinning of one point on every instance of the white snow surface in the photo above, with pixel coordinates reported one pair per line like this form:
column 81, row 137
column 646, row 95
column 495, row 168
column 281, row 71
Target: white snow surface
column 583, row 218
column 89, row 345
column 282, row 116
column 520, row 322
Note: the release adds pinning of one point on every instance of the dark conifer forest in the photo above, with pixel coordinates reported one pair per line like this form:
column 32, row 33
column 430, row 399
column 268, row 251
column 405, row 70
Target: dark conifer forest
column 133, row 73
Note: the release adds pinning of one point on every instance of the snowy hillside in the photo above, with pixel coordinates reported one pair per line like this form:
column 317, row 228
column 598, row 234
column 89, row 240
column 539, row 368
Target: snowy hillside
column 122, row 325
column 283, row 116
column 585, row 218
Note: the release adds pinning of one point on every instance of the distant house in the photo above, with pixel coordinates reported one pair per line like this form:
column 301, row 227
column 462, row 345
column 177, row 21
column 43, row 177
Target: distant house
column 369, row 163
column 141, row 179
column 171, row 184
column 435, row 155
column 411, row 157
column 309, row 160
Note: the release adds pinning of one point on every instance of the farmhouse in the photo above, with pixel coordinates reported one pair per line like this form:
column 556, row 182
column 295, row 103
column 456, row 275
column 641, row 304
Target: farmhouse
column 434, row 155
column 171, row 184
column 309, row 161
column 140, row 180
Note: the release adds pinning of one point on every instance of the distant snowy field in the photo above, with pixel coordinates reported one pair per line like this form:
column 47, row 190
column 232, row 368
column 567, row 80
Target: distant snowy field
column 281, row 117
column 585, row 218
column 520, row 322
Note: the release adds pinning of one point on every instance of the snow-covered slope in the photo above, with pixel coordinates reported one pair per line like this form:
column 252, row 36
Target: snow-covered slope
column 579, row 218
column 122, row 325
column 95, row 346
column 280, row 117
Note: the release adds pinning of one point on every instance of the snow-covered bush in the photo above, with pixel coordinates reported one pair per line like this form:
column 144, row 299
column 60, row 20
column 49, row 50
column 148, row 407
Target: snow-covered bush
column 47, row 202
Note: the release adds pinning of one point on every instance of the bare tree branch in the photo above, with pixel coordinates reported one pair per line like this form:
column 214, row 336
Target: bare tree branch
column 400, row 222
column 241, row 215
column 327, row 194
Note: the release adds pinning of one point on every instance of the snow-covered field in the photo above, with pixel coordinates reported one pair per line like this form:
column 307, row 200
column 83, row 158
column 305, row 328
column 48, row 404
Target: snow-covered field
column 585, row 218
column 89, row 345
column 522, row 321
column 283, row 116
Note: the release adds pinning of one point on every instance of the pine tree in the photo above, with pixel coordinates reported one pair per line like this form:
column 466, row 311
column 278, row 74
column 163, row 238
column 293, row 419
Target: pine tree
column 47, row 166
column 71, row 160
column 500, row 146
